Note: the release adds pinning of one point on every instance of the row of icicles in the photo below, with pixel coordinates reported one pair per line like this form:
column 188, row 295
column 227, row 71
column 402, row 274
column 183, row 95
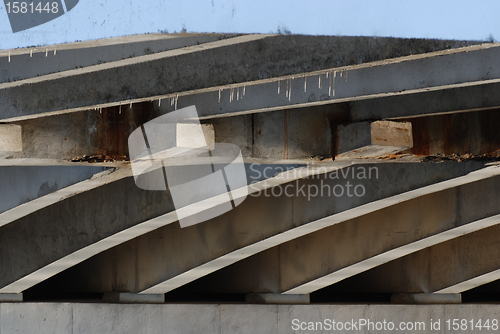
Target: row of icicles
column 31, row 53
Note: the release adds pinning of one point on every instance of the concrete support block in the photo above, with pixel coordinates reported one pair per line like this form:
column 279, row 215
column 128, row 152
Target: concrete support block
column 391, row 133
column 126, row 297
column 352, row 136
column 426, row 298
column 11, row 297
column 10, row 138
column 272, row 298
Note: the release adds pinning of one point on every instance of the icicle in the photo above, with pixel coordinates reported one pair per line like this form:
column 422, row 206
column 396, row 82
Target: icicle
column 46, row 53
column 130, row 105
column 31, row 53
column 286, row 93
column 9, row 56
column 244, row 89
column 290, row 92
column 329, row 87
column 341, row 74
column 327, row 75
column 55, row 52
column 279, row 84
column 219, row 95
column 176, row 98
column 319, row 81
column 159, row 102
column 238, row 94
column 333, row 82
column 305, row 84
column 100, row 110
column 120, row 110
column 346, row 75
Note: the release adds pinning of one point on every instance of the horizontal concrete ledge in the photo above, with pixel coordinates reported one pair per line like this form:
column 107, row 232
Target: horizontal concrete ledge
column 11, row 297
column 79, row 318
column 426, row 298
column 126, row 297
column 271, row 298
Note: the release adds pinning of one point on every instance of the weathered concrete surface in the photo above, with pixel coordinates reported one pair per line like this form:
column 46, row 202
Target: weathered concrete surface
column 231, row 61
column 124, row 297
column 473, row 132
column 426, row 298
column 365, row 240
column 82, row 318
column 433, row 71
column 10, row 138
column 351, row 136
column 41, row 238
column 32, row 62
column 391, row 133
column 88, row 132
column 139, row 264
column 428, row 101
column 23, row 183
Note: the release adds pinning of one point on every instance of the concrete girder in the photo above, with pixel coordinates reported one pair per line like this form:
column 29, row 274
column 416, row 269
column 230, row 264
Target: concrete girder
column 171, row 257
column 234, row 62
column 20, row 64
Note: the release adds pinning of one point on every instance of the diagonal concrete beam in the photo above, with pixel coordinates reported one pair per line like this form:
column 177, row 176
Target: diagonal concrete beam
column 472, row 282
column 20, row 64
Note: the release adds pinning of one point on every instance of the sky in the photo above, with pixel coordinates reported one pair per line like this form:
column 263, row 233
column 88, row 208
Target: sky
column 94, row 19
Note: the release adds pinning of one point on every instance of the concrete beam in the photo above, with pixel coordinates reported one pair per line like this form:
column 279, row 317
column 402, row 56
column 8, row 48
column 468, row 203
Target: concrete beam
column 25, row 63
column 234, row 61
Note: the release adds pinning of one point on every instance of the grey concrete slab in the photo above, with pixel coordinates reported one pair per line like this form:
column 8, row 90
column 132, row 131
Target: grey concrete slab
column 108, row 318
column 36, row 61
column 247, row 319
column 232, row 61
column 31, row 318
column 223, row 319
